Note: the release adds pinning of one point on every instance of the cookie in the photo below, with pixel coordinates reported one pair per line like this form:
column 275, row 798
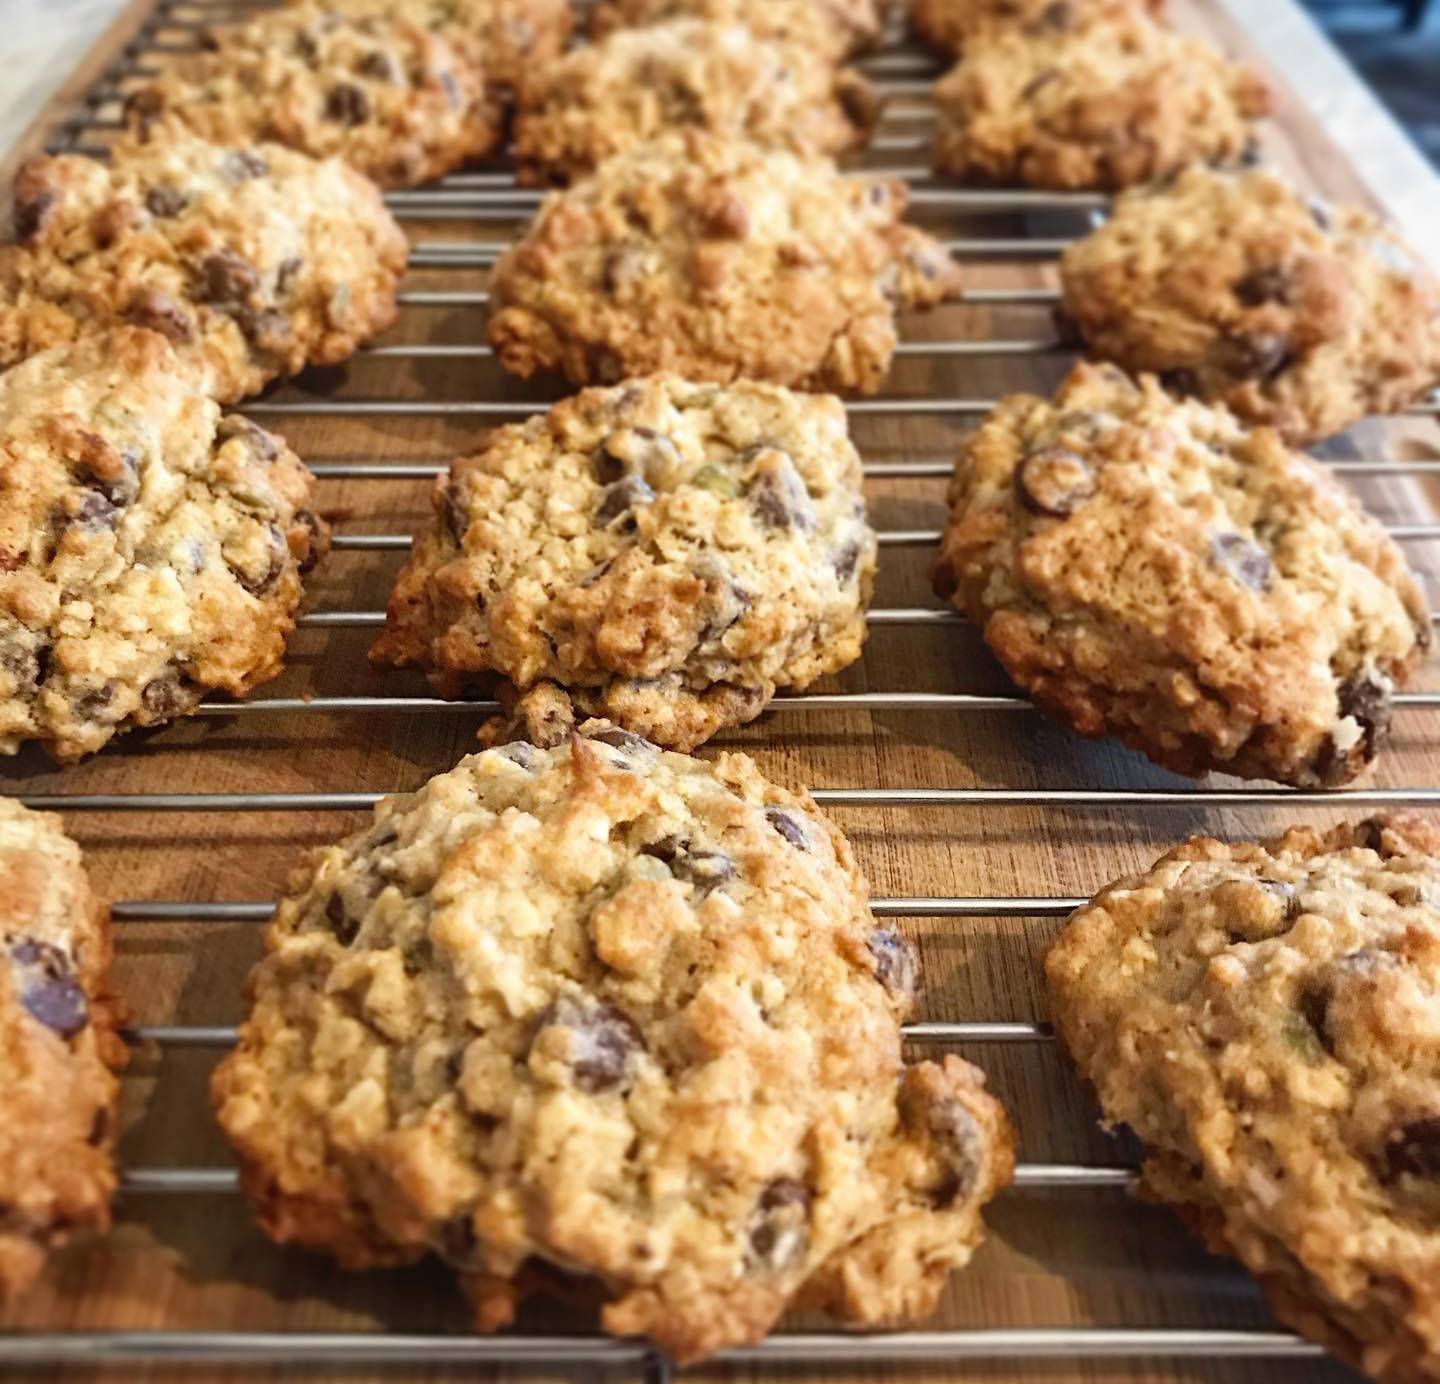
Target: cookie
column 506, row 39
column 947, row 24
column 833, row 29
column 389, row 97
column 150, row 550
column 667, row 553
column 1150, row 568
column 1116, row 100
column 58, row 1047
column 686, row 73
column 1233, row 286
column 615, row 1018
column 716, row 260
column 1265, row 1018
column 255, row 262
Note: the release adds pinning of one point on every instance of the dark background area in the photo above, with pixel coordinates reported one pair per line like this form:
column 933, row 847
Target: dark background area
column 1396, row 46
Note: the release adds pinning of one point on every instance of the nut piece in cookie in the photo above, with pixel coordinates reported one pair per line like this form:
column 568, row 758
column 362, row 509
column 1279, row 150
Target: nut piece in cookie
column 505, row 39
column 717, row 260
column 662, row 553
column 58, row 1047
column 686, row 73
column 150, row 550
column 1266, row 1019
column 948, row 24
column 1105, row 104
column 376, row 89
column 1150, row 568
column 617, row 1013
column 1234, row 287
column 833, row 29
column 254, row 261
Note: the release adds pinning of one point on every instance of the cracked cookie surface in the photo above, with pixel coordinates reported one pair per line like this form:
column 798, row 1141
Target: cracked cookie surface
column 150, row 550
column 1106, row 103
column 662, row 553
column 1265, row 1018
column 58, row 1047
column 1235, row 287
column 834, row 29
column 391, row 98
column 254, row 262
column 636, row 84
column 716, row 260
column 1150, row 568
column 619, row 1019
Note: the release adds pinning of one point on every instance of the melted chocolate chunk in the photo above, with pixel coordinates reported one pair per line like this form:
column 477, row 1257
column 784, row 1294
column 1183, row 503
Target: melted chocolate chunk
column 960, row 1142
column 780, row 1226
column 706, row 869
column 48, row 987
column 240, row 165
column 165, row 201
column 261, row 583
column 897, row 967
column 1273, row 284
column 1054, row 482
column 621, row 499
column 347, row 104
column 227, row 277
column 1247, row 562
column 1257, row 356
column 157, row 310
column 168, row 695
column 30, row 215
column 789, row 826
column 1412, row 1150
column 263, row 444
column 604, row 1045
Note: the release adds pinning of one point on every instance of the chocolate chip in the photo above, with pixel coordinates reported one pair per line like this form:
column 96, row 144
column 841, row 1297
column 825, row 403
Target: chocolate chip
column 1060, row 15
column 706, row 869
column 777, row 494
column 157, row 310
column 380, row 65
column 605, row 1042
column 1320, row 214
column 264, row 445
column 1369, row 704
column 455, row 511
column 30, row 213
column 168, row 695
column 25, row 655
column 845, row 560
column 1251, row 155
column 48, row 987
column 347, row 104
column 1313, row 1002
column 345, row 928
column 1037, row 84
column 165, row 201
column 789, row 826
column 780, row 1226
column 93, row 701
column 897, row 967
column 285, row 273
column 457, row 1243
column 94, row 512
column 1182, row 381
column 1412, row 1150
column 621, row 499
column 240, row 165
column 1054, row 482
column 636, row 452
column 308, row 520
column 519, row 752
column 265, row 331
column 626, row 741
column 960, row 1142
column 227, row 277
column 1370, row 834
column 1273, row 284
column 1247, row 562
column 262, row 582
column 1257, row 356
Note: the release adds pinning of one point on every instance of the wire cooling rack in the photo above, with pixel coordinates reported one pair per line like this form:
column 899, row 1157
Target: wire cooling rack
column 1036, row 227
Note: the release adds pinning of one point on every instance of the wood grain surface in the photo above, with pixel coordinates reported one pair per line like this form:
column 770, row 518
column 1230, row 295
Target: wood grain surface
column 1053, row 1258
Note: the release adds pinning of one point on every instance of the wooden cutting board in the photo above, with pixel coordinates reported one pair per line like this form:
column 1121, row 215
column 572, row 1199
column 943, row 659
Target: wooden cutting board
column 1053, row 1259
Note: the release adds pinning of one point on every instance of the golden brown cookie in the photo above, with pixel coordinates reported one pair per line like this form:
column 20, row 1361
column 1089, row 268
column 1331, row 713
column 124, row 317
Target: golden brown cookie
column 947, row 24
column 151, row 551
column 619, row 1016
column 58, row 1047
column 835, row 29
column 1113, row 101
column 718, row 261
column 1233, row 286
column 254, row 262
column 1267, row 1020
column 1152, row 569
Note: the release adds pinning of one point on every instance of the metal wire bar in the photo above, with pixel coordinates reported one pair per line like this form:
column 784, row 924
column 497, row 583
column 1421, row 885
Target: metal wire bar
column 481, row 254
column 473, row 351
column 890, row 538
column 476, row 298
column 508, row 196
column 173, row 911
column 1029, row 1177
column 1075, row 798
column 379, row 1348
